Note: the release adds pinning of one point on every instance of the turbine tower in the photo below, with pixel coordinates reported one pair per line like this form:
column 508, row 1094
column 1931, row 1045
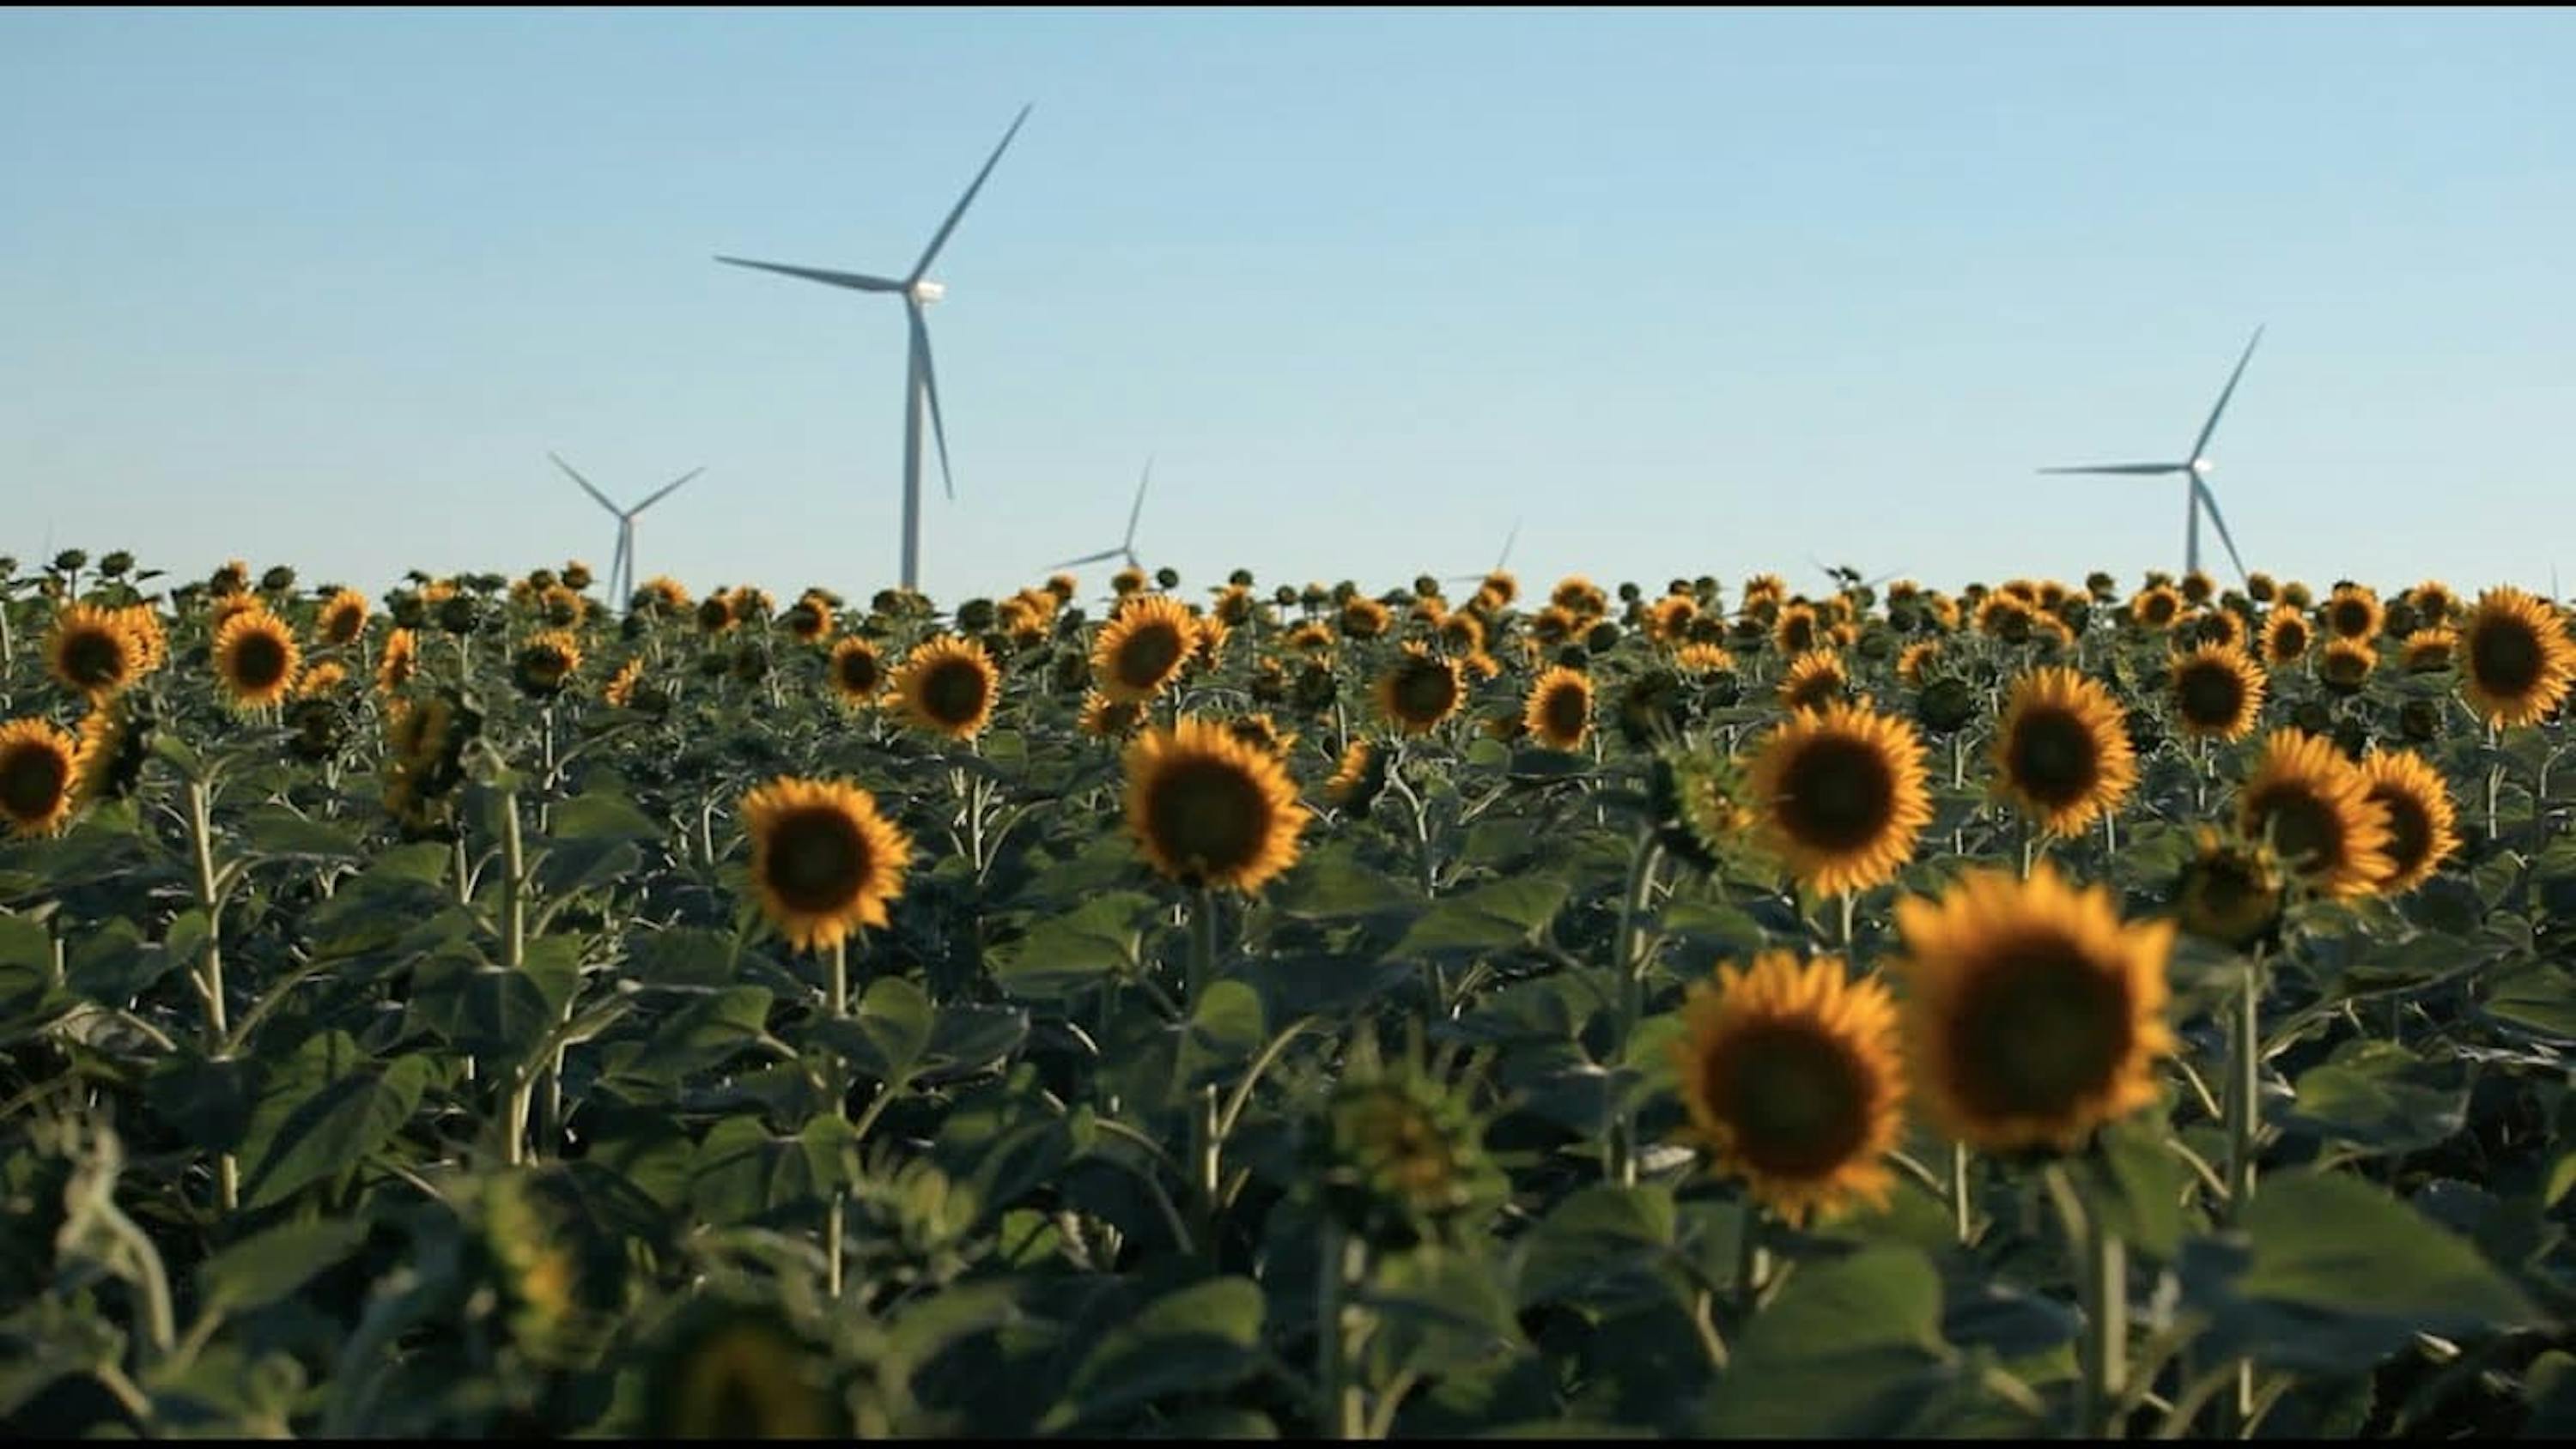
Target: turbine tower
column 621, row 565
column 2196, row 466
column 920, row 381
column 1126, row 546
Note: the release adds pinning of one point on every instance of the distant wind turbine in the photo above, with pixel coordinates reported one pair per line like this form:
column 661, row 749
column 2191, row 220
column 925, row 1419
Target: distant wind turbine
column 621, row 565
column 1847, row 577
column 1127, row 546
column 920, row 380
column 1501, row 559
column 2196, row 466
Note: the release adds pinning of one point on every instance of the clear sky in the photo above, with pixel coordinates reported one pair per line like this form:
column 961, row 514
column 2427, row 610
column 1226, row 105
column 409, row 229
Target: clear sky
column 1689, row 292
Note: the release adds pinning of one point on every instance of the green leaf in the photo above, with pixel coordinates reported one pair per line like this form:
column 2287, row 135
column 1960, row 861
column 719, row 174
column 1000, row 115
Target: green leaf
column 2380, row 1096
column 1223, row 1032
column 262, row 1269
column 601, row 816
column 1603, row 1247
column 2540, row 999
column 894, row 1024
column 1064, row 954
column 1201, row 1339
column 2135, row 1185
column 1501, row 913
column 1439, row 1311
column 327, row 1132
column 1333, row 884
column 971, row 1038
column 1851, row 1348
column 275, row 830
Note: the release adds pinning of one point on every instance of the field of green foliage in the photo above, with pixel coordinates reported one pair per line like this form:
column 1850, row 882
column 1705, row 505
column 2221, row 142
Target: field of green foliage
column 490, row 1008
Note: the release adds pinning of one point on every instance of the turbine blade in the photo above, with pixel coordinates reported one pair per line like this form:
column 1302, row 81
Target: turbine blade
column 1105, row 553
column 2211, row 426
column 1509, row 539
column 667, row 489
column 585, row 486
column 1136, row 510
column 2138, row 468
column 853, row 280
column 930, row 253
column 2209, row 501
column 930, row 385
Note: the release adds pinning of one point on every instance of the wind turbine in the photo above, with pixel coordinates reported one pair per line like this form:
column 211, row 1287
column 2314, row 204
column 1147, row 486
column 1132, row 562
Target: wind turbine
column 1847, row 577
column 1503, row 558
column 1127, row 547
column 621, row 565
column 920, row 381
column 2196, row 466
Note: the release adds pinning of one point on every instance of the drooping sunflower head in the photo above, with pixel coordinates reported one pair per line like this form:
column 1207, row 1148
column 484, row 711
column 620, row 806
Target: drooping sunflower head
column 1127, row 581
column 857, row 672
column 2062, row 752
column 1842, row 795
column 2198, row 587
column 740, row 1371
column 400, row 661
column 2214, row 626
column 343, row 617
column 1698, row 800
column 1139, row 655
column 1580, row 597
column 2352, row 612
column 1364, row 618
column 824, row 860
column 1813, row 680
column 255, row 659
column 1791, row 1079
column 2155, row 607
column 1110, row 719
column 2033, row 1013
column 2434, row 603
column 946, row 686
column 2217, row 693
column 93, row 652
column 2312, row 806
column 1703, row 659
column 2346, row 664
column 1419, row 690
column 2515, row 660
column 1207, row 809
column 2260, row 588
column 37, row 776
column 621, row 691
column 2005, row 616
column 1558, row 712
column 1914, row 659
column 545, row 663
column 2429, row 651
column 322, row 679
column 2230, row 891
column 1263, row 734
column 1462, row 634
column 2297, row 594
column 115, row 739
column 1357, row 777
column 2421, row 821
column 1669, row 618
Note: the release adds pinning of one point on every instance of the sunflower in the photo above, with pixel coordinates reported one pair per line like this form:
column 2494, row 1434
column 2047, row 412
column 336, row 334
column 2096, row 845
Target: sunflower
column 562, row 606
column 2434, row 602
column 2345, row 666
column 2514, row 659
column 38, row 768
column 2033, row 1014
column 544, row 663
column 2429, row 651
column 857, row 672
column 1559, row 708
column 1580, row 597
column 343, row 617
column 2198, row 586
column 2006, row 617
column 145, row 625
column 321, row 680
column 400, row 661
column 1551, row 626
column 1790, row 1075
column 2286, row 636
column 1702, row 659
column 1310, row 638
column 1208, row 809
column 823, row 860
column 2260, row 588
column 2217, row 693
column 1106, row 718
column 1797, row 630
column 1842, row 796
column 1357, row 777
column 1418, row 690
column 1136, row 657
column 2230, row 891
column 1127, row 581
column 1364, row 618
column 1263, row 733
column 93, row 652
column 2420, row 817
column 947, row 686
column 1462, row 634
column 2314, row 808
column 1813, row 680
column 2351, row 612
column 2216, row 626
column 2155, row 607
column 620, row 691
column 1911, row 663
column 660, row 594
column 255, row 659
column 740, row 1372
column 810, row 620
column 2062, row 750
column 1669, row 616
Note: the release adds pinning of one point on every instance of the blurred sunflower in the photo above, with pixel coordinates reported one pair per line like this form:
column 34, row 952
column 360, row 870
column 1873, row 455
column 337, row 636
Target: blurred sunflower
column 2155, row 607
column 2421, row 820
column 2297, row 595
column 1580, row 597
column 2033, row 1013
column 399, row 662
column 2062, row 750
column 2286, row 636
column 1107, row 719
column 1914, row 658
column 2515, row 660
column 321, row 680
column 1813, row 680
column 2352, row 612
column 2346, row 664
column 740, row 1372
column 2434, row 602
column 620, row 691
column 1136, row 657
column 809, row 621
column 946, row 686
column 2260, row 588
column 37, row 774
column 1208, row 810
column 1797, row 630
column 2429, row 651
column 2198, row 587
column 1559, row 708
column 1842, row 796
column 255, row 659
column 1418, row 690
column 2006, row 617
column 1127, row 581
column 545, row 663
column 1791, row 1078
column 2217, row 693
column 824, row 861
column 1702, row 659
column 1364, row 618
column 1668, row 618
column 343, row 617
column 2312, row 806
column 1462, row 634
column 144, row 624
column 1357, row 777
column 1262, row 733
column 93, row 652
column 2230, row 891
column 857, row 672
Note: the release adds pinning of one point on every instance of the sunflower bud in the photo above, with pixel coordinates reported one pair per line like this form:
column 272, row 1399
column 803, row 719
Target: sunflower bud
column 1602, row 637
column 2231, row 892
column 1396, row 1157
column 1946, row 705
column 458, row 614
column 71, row 560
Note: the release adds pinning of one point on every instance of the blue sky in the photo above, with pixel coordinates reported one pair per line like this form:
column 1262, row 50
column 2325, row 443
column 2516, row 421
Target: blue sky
column 1689, row 292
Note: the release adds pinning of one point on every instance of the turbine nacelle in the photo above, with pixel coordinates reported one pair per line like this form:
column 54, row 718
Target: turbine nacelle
column 2201, row 466
column 925, row 292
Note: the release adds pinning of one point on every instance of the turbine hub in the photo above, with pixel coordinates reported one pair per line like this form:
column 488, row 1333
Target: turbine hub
column 926, row 292
column 2201, row 465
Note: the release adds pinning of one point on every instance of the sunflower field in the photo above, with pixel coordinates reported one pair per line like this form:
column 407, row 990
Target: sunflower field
column 2045, row 1009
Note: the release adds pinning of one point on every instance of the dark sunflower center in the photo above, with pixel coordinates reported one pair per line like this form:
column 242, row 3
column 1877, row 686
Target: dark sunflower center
column 858, row 672
column 1563, row 711
column 2410, row 828
column 817, row 860
column 2351, row 618
column 2039, row 1028
column 94, row 657
column 547, row 666
column 32, row 779
column 2306, row 831
column 2289, row 641
column 2225, row 897
column 1208, row 816
column 259, row 662
column 1837, row 794
column 2347, row 667
column 2211, row 695
column 1798, row 632
column 1795, row 1099
column 1146, row 656
column 1424, row 692
column 2160, row 608
column 953, row 692
column 2053, row 757
column 342, row 625
column 2506, row 656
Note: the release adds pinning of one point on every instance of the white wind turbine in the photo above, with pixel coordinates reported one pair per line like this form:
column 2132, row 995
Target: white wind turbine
column 621, row 565
column 1127, row 546
column 920, row 381
column 2196, row 466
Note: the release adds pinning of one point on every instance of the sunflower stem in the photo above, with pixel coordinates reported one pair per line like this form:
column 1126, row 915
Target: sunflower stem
column 1632, row 955
column 1342, row 1263
column 2244, row 1121
column 840, row 1104
column 201, row 843
column 1962, row 1203
column 1752, row 1263
column 2103, row 1285
column 514, row 950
